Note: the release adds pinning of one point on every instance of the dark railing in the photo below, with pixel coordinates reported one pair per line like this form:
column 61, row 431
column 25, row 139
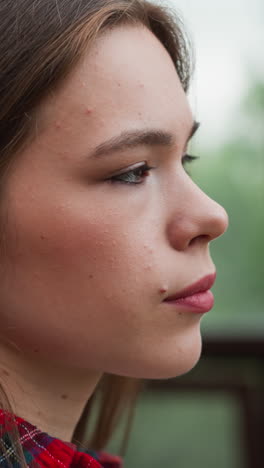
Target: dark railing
column 233, row 365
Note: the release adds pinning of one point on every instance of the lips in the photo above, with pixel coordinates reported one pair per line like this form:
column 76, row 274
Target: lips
column 202, row 285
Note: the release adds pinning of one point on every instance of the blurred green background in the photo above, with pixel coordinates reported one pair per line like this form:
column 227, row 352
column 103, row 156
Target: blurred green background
column 184, row 431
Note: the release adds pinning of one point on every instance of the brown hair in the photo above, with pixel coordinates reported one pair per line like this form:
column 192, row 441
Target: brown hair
column 41, row 43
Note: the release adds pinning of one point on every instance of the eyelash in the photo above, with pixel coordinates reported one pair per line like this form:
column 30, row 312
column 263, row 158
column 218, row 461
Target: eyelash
column 145, row 168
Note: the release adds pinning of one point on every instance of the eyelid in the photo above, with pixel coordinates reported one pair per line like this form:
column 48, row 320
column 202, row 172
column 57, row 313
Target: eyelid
column 143, row 166
column 130, row 168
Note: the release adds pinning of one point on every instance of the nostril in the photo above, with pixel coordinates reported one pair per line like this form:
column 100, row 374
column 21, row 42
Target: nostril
column 203, row 238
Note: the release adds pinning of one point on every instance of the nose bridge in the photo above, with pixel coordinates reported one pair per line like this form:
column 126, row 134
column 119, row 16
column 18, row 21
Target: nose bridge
column 196, row 216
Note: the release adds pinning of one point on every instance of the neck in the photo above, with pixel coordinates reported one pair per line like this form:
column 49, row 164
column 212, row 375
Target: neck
column 47, row 395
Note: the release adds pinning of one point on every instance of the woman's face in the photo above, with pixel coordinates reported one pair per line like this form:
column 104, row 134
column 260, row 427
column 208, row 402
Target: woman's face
column 90, row 258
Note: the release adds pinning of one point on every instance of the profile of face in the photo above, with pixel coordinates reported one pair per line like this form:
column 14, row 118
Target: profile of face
column 91, row 254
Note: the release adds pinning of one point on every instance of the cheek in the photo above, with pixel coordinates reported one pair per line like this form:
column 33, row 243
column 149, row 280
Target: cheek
column 74, row 261
column 107, row 253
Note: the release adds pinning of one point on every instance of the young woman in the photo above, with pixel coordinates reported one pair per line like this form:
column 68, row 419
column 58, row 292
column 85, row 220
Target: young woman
column 102, row 228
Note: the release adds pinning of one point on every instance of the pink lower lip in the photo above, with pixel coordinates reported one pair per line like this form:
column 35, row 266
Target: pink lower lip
column 199, row 302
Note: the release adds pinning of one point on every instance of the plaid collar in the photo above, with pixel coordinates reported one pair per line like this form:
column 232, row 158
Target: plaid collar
column 48, row 451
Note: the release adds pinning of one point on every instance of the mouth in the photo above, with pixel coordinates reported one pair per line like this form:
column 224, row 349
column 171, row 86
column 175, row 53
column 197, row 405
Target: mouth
column 200, row 286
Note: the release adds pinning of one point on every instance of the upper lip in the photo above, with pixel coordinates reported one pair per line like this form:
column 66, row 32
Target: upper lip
column 200, row 286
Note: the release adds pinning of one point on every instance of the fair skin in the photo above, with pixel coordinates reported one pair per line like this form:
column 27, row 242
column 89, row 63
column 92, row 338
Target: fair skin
column 89, row 262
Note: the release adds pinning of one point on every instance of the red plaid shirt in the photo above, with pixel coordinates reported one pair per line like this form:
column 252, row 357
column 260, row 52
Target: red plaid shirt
column 48, row 451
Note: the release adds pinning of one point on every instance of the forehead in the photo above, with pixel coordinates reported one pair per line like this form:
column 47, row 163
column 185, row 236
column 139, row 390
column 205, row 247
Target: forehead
column 126, row 80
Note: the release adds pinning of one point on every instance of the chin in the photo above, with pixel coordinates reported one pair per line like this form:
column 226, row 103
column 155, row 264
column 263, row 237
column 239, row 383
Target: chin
column 179, row 359
column 174, row 369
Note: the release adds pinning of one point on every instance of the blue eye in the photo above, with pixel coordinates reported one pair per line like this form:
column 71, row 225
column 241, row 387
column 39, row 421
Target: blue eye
column 136, row 176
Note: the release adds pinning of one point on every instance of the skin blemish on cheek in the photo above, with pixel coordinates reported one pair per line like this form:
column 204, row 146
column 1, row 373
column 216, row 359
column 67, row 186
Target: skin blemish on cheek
column 4, row 372
column 148, row 248
column 36, row 350
column 112, row 262
column 163, row 290
column 64, row 397
column 82, row 82
column 91, row 276
column 88, row 111
column 148, row 267
column 58, row 125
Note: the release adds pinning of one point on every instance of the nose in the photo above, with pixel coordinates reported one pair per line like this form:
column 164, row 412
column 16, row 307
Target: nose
column 196, row 218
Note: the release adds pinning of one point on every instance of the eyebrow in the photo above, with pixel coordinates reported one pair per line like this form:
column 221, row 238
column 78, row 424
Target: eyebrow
column 135, row 138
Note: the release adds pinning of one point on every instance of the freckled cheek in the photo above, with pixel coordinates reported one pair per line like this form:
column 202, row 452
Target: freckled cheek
column 108, row 251
column 86, row 245
column 83, row 248
column 101, row 250
column 63, row 243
